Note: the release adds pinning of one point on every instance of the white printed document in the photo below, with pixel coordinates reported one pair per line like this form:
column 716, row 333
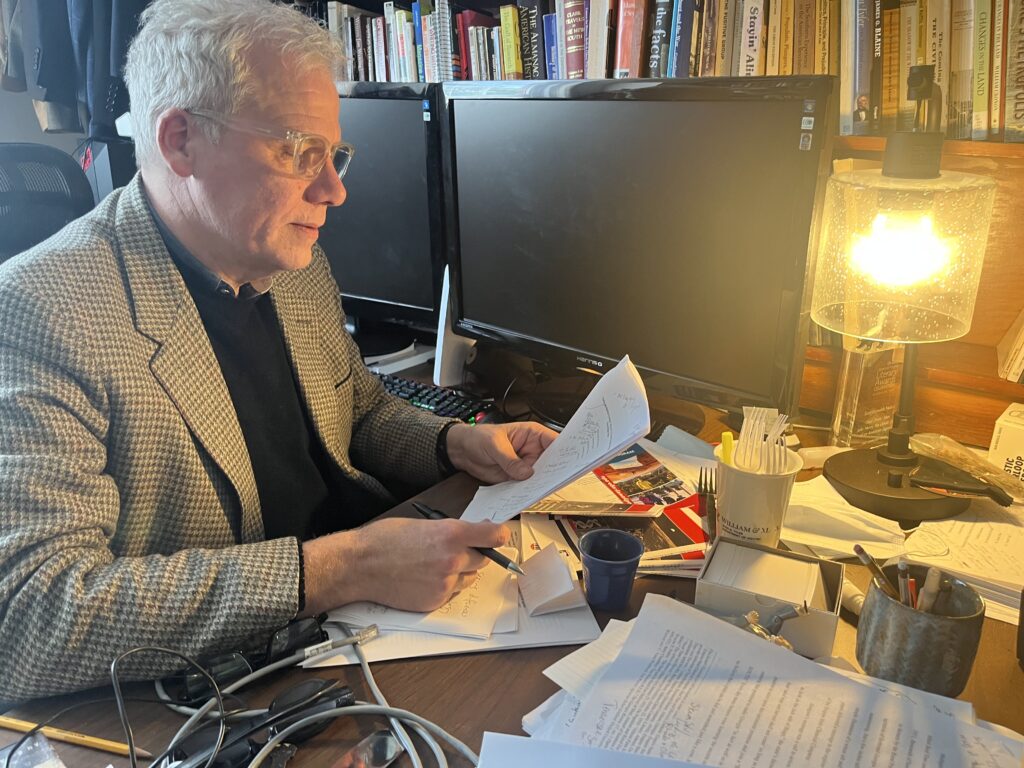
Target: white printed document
column 548, row 585
column 614, row 415
column 687, row 686
column 503, row 751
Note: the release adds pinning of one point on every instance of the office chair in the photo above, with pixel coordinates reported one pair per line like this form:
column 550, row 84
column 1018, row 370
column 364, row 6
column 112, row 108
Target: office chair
column 41, row 190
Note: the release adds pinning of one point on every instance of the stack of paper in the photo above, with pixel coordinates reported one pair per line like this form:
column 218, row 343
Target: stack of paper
column 615, row 414
column 983, row 547
column 679, row 684
column 765, row 573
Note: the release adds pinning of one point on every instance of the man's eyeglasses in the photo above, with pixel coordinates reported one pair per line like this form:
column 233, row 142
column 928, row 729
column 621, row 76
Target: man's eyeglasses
column 310, row 151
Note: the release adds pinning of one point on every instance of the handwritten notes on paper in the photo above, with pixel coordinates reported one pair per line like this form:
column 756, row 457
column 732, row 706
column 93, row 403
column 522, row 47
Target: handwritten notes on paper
column 614, row 415
column 472, row 612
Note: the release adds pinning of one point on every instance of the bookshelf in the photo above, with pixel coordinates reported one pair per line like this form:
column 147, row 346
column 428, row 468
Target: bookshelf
column 958, row 391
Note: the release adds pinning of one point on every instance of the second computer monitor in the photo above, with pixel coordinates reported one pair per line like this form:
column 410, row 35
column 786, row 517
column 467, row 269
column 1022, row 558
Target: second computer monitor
column 668, row 220
column 385, row 243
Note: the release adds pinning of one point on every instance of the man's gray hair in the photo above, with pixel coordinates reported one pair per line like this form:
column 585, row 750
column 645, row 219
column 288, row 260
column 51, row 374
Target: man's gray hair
column 192, row 54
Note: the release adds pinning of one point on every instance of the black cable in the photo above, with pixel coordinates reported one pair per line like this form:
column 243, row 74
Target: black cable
column 89, row 702
column 123, row 714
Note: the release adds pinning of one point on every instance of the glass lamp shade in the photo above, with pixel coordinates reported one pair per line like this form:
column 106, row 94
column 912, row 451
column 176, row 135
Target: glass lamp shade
column 900, row 259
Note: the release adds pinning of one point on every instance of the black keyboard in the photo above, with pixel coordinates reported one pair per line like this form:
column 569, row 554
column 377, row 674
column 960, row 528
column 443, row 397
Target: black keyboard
column 440, row 400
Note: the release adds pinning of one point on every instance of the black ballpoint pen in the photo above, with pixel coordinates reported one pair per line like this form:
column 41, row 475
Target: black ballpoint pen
column 492, row 554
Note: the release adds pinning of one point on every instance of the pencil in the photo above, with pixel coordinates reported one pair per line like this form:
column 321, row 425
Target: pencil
column 432, row 514
column 879, row 577
column 70, row 737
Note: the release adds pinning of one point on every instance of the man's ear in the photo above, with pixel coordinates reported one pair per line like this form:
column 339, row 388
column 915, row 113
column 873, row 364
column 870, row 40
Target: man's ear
column 176, row 139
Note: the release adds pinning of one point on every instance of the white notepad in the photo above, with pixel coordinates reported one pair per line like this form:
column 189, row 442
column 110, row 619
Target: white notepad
column 548, row 584
column 765, row 573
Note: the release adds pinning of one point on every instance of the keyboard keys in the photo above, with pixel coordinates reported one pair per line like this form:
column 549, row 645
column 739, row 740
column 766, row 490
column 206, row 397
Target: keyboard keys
column 440, row 400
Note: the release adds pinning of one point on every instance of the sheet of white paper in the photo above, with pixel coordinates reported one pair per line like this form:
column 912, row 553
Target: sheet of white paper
column 818, row 517
column 534, row 720
column 684, row 444
column 578, row 672
column 767, row 573
column 690, row 687
column 503, row 751
column 538, row 531
column 563, row 628
column 615, row 414
column 942, row 705
column 470, row 613
column 548, row 585
column 508, row 619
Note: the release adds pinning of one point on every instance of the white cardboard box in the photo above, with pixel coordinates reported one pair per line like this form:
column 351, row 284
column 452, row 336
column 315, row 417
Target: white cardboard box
column 812, row 635
column 1007, row 448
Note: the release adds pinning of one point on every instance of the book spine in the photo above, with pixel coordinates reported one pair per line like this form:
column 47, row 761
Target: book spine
column 601, row 26
column 380, row 50
column 787, row 12
column 657, row 59
column 771, row 62
column 750, row 52
column 708, row 42
column 531, row 39
column 981, row 84
column 739, row 24
column 627, row 51
column 510, row 55
column 673, row 37
column 833, row 36
column 803, row 37
column 890, row 65
column 875, row 96
column 357, row 28
column 997, row 104
column 1013, row 119
column 907, row 53
column 848, row 77
column 688, row 40
column 937, row 49
column 821, row 41
column 494, row 48
column 575, row 39
column 560, row 16
column 961, row 63
column 394, row 60
column 723, row 37
column 409, row 29
column 586, row 34
column 551, row 44
column 443, row 30
column 417, row 22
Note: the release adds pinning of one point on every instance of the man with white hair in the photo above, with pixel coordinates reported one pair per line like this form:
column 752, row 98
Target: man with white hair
column 188, row 437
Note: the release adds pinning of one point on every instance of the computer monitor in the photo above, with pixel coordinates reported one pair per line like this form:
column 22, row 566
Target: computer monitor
column 671, row 220
column 385, row 242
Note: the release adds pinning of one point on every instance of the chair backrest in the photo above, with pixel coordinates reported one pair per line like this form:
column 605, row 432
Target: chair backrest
column 41, row 190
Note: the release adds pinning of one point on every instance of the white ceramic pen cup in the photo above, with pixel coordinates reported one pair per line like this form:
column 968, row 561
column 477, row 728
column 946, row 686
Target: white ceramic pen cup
column 752, row 506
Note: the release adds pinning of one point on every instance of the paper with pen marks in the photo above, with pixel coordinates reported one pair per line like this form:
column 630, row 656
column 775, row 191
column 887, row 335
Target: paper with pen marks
column 614, row 415
column 473, row 612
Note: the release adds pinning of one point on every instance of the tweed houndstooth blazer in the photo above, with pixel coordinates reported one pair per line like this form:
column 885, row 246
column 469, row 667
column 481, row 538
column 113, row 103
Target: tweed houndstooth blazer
column 122, row 462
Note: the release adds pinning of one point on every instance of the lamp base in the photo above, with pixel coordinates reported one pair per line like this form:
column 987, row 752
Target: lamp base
column 885, row 490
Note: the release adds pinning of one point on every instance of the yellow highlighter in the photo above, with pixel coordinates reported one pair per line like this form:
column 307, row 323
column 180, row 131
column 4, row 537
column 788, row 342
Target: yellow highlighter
column 727, row 448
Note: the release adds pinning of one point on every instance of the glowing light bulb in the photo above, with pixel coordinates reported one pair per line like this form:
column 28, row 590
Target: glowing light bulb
column 901, row 250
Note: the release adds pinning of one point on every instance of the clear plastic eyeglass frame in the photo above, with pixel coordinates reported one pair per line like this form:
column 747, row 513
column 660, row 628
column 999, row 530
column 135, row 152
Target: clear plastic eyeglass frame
column 310, row 151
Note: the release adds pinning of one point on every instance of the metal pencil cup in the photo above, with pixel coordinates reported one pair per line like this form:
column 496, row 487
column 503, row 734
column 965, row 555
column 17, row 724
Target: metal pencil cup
column 930, row 651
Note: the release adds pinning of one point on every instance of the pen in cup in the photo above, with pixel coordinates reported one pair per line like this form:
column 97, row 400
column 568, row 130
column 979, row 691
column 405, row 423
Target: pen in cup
column 904, row 580
column 930, row 590
column 880, row 579
column 491, row 554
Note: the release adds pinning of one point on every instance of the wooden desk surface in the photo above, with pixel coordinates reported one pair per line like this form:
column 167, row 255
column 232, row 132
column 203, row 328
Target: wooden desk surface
column 470, row 693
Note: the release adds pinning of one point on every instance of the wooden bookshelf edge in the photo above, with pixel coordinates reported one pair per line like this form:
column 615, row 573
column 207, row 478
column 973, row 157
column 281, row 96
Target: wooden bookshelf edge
column 851, row 146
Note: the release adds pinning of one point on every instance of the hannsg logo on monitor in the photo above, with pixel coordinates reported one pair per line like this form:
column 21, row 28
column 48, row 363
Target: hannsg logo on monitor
column 591, row 362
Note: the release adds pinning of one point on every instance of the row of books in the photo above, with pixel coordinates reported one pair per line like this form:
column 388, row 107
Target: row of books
column 976, row 47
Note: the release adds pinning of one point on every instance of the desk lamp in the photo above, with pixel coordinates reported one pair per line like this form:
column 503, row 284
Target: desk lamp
column 900, row 261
